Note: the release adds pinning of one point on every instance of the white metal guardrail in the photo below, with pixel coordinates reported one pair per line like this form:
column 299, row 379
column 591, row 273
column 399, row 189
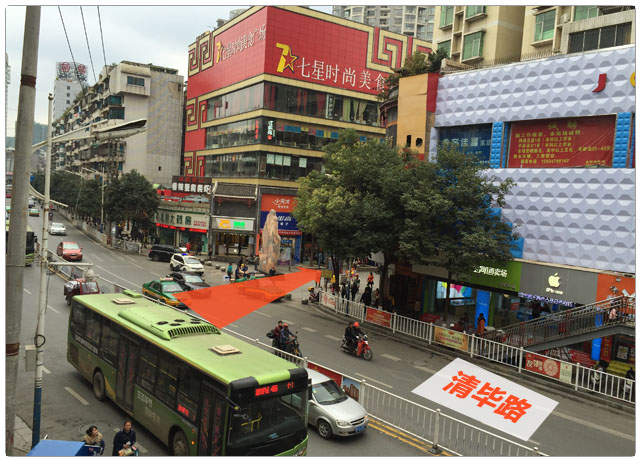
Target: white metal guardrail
column 441, row 431
column 575, row 376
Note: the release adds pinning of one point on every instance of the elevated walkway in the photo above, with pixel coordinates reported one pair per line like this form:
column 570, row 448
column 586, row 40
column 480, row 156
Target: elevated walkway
column 571, row 326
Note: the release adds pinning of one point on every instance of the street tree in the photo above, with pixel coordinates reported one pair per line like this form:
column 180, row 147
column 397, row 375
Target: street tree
column 451, row 218
column 353, row 207
column 131, row 197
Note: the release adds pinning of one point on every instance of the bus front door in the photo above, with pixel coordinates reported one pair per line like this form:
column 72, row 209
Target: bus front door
column 211, row 430
column 127, row 361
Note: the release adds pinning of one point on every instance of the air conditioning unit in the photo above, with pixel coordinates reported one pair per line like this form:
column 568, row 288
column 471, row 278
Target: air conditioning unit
column 564, row 18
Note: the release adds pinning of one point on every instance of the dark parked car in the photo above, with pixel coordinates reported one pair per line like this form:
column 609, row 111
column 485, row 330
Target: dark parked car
column 189, row 280
column 163, row 252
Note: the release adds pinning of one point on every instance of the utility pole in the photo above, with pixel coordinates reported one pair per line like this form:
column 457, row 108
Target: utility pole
column 16, row 243
column 39, row 339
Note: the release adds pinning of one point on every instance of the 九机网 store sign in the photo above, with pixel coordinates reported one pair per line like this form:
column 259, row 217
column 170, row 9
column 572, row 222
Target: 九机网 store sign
column 562, row 143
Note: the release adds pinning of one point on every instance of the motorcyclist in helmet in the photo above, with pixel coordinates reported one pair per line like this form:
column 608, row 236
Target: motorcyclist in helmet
column 351, row 333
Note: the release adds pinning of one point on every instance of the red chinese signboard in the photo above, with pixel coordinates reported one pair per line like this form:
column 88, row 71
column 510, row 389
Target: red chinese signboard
column 541, row 365
column 329, row 373
column 562, row 143
column 279, row 203
column 379, row 317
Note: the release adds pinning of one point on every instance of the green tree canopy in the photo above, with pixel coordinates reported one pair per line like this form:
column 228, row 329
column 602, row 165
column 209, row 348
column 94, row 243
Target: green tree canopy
column 450, row 222
column 131, row 197
column 416, row 64
column 353, row 208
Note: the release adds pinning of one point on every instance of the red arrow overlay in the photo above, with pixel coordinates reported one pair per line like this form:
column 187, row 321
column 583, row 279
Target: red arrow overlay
column 222, row 305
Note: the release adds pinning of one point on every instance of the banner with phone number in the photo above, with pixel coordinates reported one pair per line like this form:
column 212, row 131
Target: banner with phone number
column 562, row 142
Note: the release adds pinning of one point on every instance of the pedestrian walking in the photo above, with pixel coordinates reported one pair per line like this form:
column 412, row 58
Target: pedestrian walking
column 94, row 439
column 481, row 324
column 354, row 289
column 370, row 280
column 343, row 291
column 365, row 298
column 375, row 298
column 229, row 270
column 125, row 440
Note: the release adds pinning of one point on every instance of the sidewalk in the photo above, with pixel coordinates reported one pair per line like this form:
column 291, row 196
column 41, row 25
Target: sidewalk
column 21, row 438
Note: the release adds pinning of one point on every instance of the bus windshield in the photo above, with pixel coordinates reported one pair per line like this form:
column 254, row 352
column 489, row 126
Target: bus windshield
column 265, row 422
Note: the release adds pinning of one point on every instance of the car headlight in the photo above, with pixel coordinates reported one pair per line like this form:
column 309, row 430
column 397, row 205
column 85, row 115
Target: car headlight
column 342, row 423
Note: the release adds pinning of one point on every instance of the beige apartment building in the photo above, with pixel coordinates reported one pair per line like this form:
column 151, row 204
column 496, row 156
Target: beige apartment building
column 475, row 34
column 575, row 29
column 486, row 35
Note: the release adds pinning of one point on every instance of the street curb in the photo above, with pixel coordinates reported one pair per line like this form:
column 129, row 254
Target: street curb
column 529, row 379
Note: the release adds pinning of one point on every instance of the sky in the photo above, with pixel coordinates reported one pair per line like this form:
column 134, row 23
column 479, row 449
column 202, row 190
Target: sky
column 157, row 34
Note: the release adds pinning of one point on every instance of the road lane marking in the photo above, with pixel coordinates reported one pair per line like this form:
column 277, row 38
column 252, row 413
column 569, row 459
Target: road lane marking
column 113, row 274
column 77, row 396
column 389, row 431
column 426, row 369
column 533, row 442
column 308, row 329
column 333, row 338
column 595, row 426
column 374, row 380
column 263, row 314
column 134, row 264
column 156, row 275
column 97, row 257
column 49, row 306
column 391, row 357
column 26, row 290
column 45, row 370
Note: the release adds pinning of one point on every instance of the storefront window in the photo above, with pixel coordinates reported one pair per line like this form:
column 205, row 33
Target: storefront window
column 244, row 132
column 241, row 101
column 266, row 165
column 303, row 101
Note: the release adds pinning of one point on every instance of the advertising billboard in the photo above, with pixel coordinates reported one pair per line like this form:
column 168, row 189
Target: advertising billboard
column 451, row 339
column 562, row 143
column 473, row 140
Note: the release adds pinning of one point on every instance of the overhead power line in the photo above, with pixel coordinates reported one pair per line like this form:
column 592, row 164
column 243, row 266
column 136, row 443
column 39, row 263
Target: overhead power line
column 93, row 69
column 102, row 38
column 75, row 67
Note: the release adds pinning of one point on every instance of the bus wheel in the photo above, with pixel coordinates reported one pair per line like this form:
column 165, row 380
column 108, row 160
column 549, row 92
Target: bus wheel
column 179, row 446
column 98, row 386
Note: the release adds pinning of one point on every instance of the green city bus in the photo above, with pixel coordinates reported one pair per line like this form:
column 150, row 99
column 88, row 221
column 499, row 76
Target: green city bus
column 198, row 390
column 30, row 249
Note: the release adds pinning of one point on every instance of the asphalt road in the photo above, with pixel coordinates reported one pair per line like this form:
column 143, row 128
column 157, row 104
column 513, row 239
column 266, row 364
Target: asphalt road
column 68, row 404
column 573, row 429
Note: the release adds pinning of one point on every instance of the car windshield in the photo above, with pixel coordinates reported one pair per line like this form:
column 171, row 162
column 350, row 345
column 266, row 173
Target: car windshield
column 171, row 287
column 54, row 225
column 193, row 279
column 191, row 260
column 70, row 246
column 328, row 392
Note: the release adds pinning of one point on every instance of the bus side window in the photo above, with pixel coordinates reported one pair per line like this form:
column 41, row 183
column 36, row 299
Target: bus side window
column 109, row 346
column 147, row 368
column 93, row 328
column 167, row 380
column 189, row 392
column 78, row 319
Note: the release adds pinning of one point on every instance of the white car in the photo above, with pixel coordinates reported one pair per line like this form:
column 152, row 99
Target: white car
column 332, row 411
column 185, row 263
column 56, row 228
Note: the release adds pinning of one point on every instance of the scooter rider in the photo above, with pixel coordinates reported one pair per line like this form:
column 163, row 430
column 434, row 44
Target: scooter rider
column 351, row 333
column 285, row 336
column 277, row 332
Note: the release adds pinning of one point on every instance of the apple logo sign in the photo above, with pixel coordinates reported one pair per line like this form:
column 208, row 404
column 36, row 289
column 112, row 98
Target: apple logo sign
column 554, row 280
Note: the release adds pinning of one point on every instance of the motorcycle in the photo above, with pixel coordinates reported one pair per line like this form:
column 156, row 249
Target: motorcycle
column 362, row 348
column 291, row 346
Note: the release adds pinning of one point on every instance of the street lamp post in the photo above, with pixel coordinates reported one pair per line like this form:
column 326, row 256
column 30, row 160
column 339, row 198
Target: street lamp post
column 102, row 194
column 39, row 339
